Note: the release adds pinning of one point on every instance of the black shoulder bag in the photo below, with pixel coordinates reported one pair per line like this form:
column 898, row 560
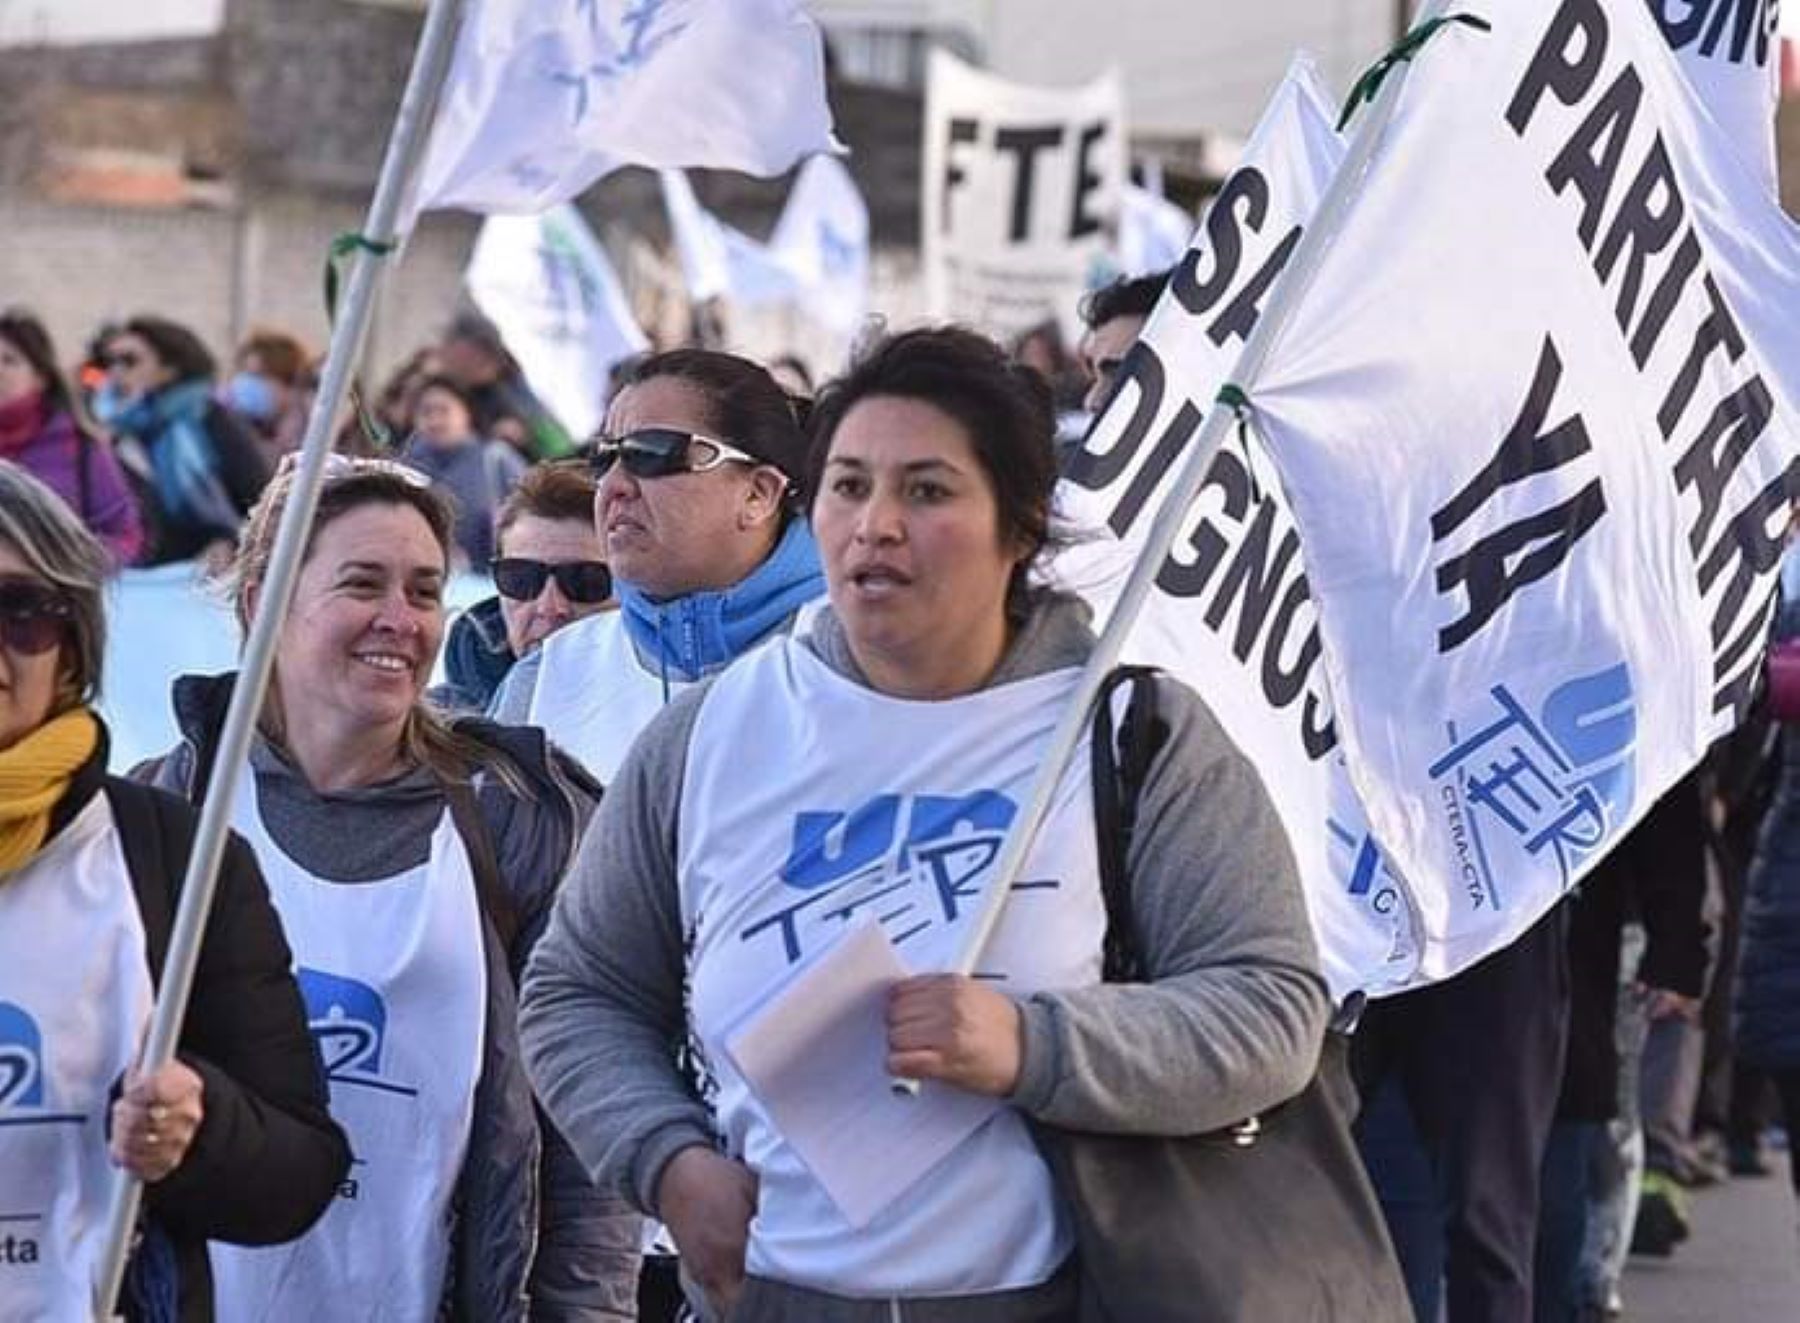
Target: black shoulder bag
column 1272, row 1220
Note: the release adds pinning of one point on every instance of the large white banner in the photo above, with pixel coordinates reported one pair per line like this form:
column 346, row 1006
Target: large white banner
column 1731, row 52
column 1021, row 195
column 546, row 96
column 1536, row 419
column 544, row 281
column 1232, row 613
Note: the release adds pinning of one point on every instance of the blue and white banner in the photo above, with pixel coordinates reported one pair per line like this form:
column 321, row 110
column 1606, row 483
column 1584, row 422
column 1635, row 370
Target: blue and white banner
column 1021, row 195
column 1232, row 612
column 1536, row 418
column 545, row 282
column 544, row 97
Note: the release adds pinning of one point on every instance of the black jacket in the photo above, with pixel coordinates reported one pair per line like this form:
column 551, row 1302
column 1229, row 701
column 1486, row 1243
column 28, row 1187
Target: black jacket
column 1657, row 874
column 268, row 1158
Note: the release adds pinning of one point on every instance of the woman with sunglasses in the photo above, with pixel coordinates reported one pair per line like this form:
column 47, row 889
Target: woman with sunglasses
column 869, row 767
column 695, row 505
column 232, row 1139
column 550, row 571
column 42, row 430
column 412, row 860
column 205, row 467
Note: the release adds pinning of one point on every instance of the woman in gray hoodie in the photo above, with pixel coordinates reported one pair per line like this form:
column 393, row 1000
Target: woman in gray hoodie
column 868, row 770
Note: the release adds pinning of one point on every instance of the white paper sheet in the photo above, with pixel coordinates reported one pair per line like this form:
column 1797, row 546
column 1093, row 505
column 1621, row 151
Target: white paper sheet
column 815, row 1055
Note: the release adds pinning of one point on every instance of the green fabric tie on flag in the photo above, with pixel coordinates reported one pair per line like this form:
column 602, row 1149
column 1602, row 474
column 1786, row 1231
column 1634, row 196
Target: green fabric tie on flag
column 342, row 248
column 1404, row 49
column 1232, row 396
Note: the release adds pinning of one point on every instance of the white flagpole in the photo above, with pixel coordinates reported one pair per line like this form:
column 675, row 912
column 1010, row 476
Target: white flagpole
column 1315, row 243
column 406, row 144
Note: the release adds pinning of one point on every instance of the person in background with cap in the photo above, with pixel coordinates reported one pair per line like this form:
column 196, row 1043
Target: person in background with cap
column 697, row 509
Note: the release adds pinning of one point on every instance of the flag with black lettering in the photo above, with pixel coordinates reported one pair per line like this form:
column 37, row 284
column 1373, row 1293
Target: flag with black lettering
column 1536, row 417
column 1021, row 195
column 1731, row 53
column 1232, row 613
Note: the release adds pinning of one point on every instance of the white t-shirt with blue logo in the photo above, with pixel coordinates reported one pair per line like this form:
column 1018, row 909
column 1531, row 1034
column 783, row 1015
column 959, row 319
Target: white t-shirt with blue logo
column 394, row 977
column 810, row 801
column 75, row 998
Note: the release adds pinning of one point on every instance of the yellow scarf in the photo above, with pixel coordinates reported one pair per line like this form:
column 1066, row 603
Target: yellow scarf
column 34, row 776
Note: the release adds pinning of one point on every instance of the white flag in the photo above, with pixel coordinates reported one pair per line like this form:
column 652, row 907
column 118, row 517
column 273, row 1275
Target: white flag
column 1731, row 52
column 1021, row 192
column 1536, row 419
column 1153, row 232
column 546, row 96
column 822, row 239
column 717, row 260
column 544, row 281
column 1232, row 614
column 699, row 236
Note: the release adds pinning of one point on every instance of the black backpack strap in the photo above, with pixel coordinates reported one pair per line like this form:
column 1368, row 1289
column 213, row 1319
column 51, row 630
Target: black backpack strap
column 156, row 836
column 1123, row 750
column 472, row 827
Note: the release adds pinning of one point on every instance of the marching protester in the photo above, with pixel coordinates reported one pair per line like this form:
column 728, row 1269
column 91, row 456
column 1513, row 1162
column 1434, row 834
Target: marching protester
column 206, row 470
column 412, row 861
column 1657, row 876
column 1766, row 1020
column 918, row 702
column 42, row 430
column 698, row 469
column 475, row 471
column 550, row 571
column 232, row 1139
column 1114, row 315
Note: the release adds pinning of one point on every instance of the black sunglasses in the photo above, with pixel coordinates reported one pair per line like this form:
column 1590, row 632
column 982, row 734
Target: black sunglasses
column 34, row 617
column 584, row 581
column 658, row 452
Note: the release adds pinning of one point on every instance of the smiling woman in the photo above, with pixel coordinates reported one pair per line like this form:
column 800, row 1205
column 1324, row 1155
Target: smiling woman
column 411, row 858
column 232, row 1139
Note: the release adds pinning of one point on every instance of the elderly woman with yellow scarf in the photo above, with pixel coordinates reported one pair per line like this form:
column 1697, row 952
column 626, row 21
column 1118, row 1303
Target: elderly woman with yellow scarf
column 232, row 1139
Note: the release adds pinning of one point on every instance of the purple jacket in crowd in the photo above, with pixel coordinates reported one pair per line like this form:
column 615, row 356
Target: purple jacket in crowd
column 86, row 474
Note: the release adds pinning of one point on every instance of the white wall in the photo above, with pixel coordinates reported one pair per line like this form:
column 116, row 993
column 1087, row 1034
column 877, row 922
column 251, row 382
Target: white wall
column 65, row 22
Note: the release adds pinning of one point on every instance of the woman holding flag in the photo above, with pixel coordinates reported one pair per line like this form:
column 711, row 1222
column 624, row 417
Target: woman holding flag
column 232, row 1138
column 412, row 860
column 869, row 768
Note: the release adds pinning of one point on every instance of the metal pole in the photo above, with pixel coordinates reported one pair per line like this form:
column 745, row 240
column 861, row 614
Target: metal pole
column 1315, row 243
column 431, row 62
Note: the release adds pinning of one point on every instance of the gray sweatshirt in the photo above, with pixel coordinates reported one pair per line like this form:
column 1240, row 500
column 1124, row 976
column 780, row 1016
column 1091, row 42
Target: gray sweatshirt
column 1230, row 1024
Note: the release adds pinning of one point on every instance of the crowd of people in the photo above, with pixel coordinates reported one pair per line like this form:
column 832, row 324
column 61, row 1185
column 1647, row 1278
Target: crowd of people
column 760, row 666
